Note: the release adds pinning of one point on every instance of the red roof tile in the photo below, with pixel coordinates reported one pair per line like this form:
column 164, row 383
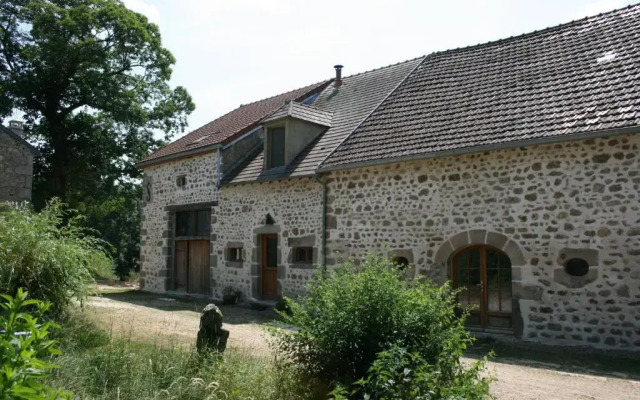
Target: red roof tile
column 231, row 125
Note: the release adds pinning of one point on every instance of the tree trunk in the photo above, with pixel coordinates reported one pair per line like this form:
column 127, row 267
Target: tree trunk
column 58, row 182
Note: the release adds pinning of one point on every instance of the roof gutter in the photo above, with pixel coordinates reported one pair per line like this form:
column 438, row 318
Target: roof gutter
column 203, row 149
column 491, row 147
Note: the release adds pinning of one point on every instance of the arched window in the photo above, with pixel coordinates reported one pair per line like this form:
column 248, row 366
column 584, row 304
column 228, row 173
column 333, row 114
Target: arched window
column 484, row 275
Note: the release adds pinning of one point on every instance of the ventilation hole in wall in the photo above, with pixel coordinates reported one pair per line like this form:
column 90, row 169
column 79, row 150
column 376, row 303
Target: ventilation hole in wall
column 402, row 262
column 576, row 267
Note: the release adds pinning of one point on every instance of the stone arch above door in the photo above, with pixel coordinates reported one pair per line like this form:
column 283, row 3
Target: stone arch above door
column 476, row 237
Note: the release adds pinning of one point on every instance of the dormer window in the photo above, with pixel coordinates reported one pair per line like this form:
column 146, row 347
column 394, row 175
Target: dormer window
column 275, row 146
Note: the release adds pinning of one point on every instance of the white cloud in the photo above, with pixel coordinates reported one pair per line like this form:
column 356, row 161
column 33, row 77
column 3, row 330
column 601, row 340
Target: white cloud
column 149, row 10
column 599, row 6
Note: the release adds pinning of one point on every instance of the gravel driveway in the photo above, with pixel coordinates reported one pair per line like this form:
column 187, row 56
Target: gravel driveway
column 142, row 316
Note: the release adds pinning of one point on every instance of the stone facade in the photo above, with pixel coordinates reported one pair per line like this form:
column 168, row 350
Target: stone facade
column 162, row 196
column 296, row 209
column 16, row 169
column 541, row 205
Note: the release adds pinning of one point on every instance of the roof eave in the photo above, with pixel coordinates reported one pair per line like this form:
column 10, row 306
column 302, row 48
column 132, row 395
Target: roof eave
column 492, row 147
column 170, row 157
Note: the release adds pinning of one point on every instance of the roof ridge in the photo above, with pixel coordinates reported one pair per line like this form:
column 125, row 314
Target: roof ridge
column 283, row 93
column 383, row 67
column 418, row 64
column 535, row 32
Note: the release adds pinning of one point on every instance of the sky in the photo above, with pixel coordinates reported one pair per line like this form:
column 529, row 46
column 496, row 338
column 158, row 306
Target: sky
column 232, row 52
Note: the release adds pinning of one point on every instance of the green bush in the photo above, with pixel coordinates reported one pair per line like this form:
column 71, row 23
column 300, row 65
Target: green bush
column 23, row 345
column 49, row 255
column 352, row 315
column 397, row 375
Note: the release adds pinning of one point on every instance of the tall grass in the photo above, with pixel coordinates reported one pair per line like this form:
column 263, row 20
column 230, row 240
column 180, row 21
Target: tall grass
column 96, row 365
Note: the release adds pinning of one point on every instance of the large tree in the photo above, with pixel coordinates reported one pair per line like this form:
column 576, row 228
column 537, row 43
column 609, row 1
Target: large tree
column 91, row 78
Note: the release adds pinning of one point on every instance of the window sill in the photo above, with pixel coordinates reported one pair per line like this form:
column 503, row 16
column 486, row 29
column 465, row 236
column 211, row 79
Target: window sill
column 235, row 264
column 302, row 266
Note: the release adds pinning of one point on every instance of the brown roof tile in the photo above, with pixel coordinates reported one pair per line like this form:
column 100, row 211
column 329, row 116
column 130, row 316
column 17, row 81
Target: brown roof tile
column 231, row 125
column 572, row 79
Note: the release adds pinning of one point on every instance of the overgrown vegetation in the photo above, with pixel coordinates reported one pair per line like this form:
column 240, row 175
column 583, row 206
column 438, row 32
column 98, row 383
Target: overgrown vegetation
column 24, row 346
column 49, row 255
column 360, row 324
column 97, row 366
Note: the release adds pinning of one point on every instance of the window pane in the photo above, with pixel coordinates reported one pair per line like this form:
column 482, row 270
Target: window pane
column 204, row 223
column 272, row 252
column 185, row 224
column 276, row 147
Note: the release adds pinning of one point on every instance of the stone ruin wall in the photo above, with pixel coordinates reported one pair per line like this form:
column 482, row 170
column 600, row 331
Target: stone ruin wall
column 16, row 170
column 296, row 208
column 541, row 205
column 157, row 230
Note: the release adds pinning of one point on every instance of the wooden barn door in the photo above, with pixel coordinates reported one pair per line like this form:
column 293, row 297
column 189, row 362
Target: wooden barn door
column 192, row 252
column 269, row 266
column 198, row 267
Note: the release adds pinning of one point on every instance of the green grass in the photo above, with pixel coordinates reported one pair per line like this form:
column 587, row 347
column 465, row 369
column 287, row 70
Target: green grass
column 97, row 366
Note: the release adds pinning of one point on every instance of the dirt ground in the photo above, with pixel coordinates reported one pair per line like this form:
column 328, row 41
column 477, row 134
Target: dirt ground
column 521, row 375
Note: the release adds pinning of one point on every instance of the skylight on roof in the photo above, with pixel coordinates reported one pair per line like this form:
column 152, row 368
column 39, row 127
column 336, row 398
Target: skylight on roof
column 606, row 57
column 200, row 139
column 309, row 100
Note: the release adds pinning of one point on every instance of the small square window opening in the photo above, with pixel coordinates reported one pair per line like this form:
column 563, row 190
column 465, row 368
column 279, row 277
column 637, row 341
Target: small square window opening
column 181, row 181
column 303, row 255
column 234, row 254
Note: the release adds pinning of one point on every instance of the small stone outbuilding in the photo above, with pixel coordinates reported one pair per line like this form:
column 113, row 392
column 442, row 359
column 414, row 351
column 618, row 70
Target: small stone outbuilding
column 16, row 164
column 510, row 168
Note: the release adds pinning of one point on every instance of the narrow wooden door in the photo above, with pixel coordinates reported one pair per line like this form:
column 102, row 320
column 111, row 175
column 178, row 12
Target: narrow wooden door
column 270, row 266
column 182, row 264
column 484, row 274
column 198, row 266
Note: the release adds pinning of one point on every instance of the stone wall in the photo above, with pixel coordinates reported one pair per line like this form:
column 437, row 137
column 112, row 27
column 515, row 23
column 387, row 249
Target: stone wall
column 295, row 207
column 542, row 205
column 161, row 198
column 16, row 170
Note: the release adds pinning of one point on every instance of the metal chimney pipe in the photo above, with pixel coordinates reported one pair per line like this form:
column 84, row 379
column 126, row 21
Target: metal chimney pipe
column 338, row 74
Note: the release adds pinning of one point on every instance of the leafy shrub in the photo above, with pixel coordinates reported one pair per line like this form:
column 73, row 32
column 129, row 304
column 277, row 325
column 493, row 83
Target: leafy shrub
column 352, row 314
column 49, row 255
column 23, row 344
column 398, row 374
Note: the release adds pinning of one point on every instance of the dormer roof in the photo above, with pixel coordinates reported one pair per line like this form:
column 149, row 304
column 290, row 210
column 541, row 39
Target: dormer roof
column 302, row 112
column 230, row 126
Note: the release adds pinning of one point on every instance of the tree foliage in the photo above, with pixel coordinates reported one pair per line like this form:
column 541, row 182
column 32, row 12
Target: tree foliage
column 92, row 80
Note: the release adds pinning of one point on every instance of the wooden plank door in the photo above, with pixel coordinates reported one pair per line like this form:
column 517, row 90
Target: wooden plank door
column 182, row 264
column 198, row 267
column 269, row 266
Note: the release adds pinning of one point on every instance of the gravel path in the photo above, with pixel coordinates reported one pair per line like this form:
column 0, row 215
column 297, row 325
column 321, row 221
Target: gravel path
column 142, row 317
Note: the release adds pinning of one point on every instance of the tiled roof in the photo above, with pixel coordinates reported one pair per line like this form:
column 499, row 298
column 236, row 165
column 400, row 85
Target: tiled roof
column 350, row 104
column 303, row 112
column 572, row 79
column 232, row 124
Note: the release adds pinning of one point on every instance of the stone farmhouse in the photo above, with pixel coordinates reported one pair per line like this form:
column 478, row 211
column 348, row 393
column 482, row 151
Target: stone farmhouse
column 16, row 164
column 510, row 168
